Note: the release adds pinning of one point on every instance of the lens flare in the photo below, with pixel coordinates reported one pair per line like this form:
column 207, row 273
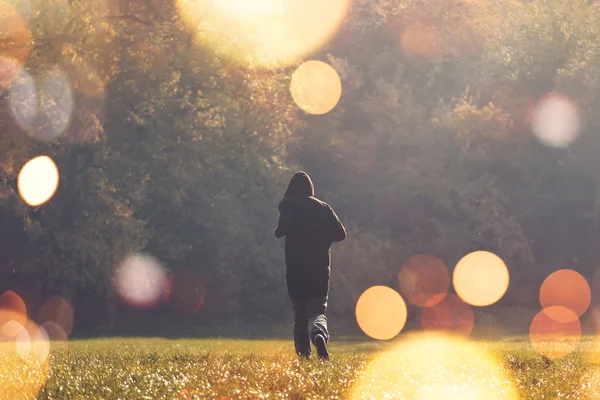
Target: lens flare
column 566, row 288
column 14, row 35
column 58, row 311
column 184, row 293
column 556, row 120
column 424, row 280
column 316, row 87
column 266, row 31
column 140, row 281
column 24, row 367
column 38, row 180
column 451, row 315
column 481, row 278
column 381, row 312
column 555, row 332
column 433, row 366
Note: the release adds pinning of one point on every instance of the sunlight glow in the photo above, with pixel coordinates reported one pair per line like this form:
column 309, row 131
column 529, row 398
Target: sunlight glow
column 316, row 87
column 381, row 312
column 266, row 31
column 433, row 366
column 566, row 288
column 140, row 281
column 481, row 278
column 450, row 315
column 556, row 120
column 38, row 180
column 424, row 280
column 555, row 332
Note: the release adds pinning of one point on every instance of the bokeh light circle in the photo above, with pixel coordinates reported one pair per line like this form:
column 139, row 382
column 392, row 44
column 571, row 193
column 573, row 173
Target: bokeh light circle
column 316, row 87
column 184, row 293
column 566, row 288
column 140, row 281
column 38, row 180
column 266, row 31
column 481, row 278
column 450, row 315
column 381, row 312
column 57, row 311
column 14, row 35
column 424, row 280
column 56, row 105
column 23, row 100
column 556, row 120
column 433, row 366
column 555, row 332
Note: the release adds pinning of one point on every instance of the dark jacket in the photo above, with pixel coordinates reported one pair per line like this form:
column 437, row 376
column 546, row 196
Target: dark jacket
column 310, row 226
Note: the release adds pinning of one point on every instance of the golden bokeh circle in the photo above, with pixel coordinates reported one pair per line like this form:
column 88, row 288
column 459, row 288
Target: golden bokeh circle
column 481, row 278
column 38, row 180
column 381, row 312
column 316, row 87
column 566, row 288
column 555, row 332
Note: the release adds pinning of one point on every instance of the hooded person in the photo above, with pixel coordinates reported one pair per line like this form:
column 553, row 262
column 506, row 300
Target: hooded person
column 310, row 226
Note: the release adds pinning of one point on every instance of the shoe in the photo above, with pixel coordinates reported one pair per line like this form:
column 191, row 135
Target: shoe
column 321, row 346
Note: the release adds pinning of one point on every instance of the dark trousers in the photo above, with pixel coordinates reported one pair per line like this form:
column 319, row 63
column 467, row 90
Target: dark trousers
column 309, row 321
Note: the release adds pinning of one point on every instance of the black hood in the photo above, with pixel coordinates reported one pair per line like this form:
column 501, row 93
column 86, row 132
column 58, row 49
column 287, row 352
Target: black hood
column 300, row 186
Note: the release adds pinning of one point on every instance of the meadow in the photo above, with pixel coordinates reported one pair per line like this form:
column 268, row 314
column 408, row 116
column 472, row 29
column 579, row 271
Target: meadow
column 136, row 368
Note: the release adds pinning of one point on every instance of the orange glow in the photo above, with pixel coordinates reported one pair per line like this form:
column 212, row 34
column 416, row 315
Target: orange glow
column 451, row 315
column 381, row 312
column 57, row 310
column 14, row 35
column 552, row 338
column 184, row 292
column 38, row 180
column 267, row 31
column 566, row 288
column 316, row 87
column 433, row 366
column 9, row 70
column 481, row 278
column 13, row 314
column 424, row 280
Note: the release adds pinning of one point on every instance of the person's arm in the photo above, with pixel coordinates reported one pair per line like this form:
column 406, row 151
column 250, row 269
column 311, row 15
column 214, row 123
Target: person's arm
column 338, row 232
column 285, row 220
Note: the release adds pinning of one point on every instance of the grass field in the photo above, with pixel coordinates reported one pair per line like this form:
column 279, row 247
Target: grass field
column 245, row 369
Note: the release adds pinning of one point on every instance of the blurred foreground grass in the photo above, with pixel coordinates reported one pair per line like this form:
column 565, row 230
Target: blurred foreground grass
column 133, row 368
